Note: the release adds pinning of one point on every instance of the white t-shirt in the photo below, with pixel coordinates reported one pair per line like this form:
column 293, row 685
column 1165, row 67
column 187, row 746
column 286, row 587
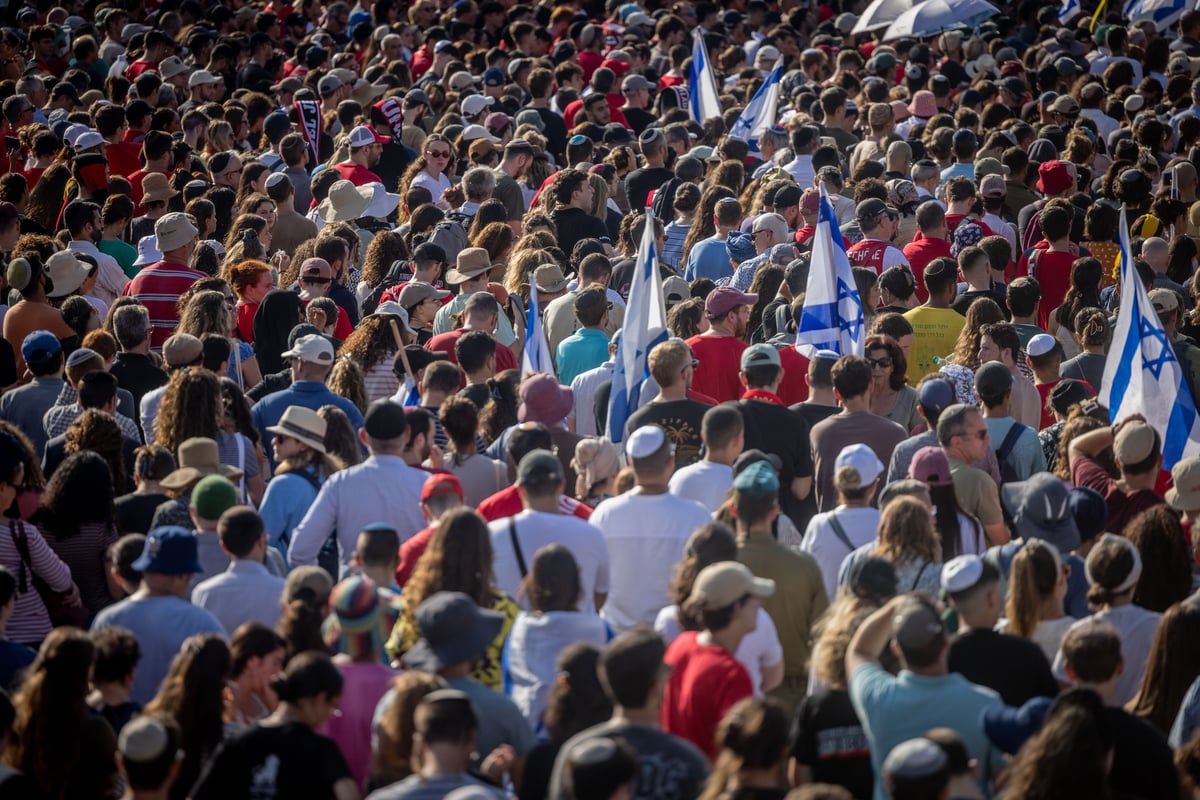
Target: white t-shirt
column 532, row 651
column 535, row 530
column 1048, row 634
column 1136, row 626
column 759, row 649
column 646, row 536
column 435, row 186
column 822, row 542
column 705, row 482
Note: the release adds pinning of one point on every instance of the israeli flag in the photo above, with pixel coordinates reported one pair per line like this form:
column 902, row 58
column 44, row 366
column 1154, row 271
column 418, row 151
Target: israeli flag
column 833, row 312
column 703, row 98
column 536, row 355
column 760, row 112
column 1163, row 13
column 644, row 328
column 1142, row 374
column 1069, row 11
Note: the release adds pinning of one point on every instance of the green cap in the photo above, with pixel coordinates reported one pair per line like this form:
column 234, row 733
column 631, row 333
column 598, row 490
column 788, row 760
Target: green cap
column 757, row 480
column 213, row 496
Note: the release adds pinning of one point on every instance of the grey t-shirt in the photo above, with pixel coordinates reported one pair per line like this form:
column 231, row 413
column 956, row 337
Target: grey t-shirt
column 671, row 768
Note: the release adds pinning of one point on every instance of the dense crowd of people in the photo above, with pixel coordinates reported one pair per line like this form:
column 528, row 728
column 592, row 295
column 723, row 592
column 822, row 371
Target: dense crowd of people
column 292, row 514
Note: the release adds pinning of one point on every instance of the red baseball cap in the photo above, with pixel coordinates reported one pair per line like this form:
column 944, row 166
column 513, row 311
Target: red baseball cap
column 441, row 483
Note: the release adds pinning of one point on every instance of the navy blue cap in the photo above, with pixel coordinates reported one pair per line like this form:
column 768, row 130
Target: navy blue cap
column 40, row 346
column 493, row 76
column 169, row 550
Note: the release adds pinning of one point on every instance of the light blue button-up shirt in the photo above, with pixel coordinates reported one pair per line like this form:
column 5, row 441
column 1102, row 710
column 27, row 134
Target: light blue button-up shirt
column 245, row 592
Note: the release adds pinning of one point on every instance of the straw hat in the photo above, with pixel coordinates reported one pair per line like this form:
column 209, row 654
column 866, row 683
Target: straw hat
column 345, row 202
column 302, row 424
column 198, row 457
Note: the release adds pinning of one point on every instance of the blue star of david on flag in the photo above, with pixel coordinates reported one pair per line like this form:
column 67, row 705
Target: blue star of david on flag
column 1166, row 354
column 833, row 312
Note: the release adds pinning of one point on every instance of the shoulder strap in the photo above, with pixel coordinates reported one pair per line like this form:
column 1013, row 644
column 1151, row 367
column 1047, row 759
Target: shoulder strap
column 22, row 545
column 516, row 544
column 1010, row 441
column 839, row 531
column 308, row 476
column 917, row 580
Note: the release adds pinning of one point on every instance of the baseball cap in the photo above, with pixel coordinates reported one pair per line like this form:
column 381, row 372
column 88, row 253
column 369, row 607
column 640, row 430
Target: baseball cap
column 539, row 465
column 810, row 202
column 314, row 349
column 1185, row 494
column 872, row 578
column 439, row 484
column 872, row 208
column 757, row 480
column 170, row 550
column 39, row 347
column 362, row 136
column 930, row 465
column 1135, row 441
column 493, row 76
column 916, row 625
column 761, row 354
column 1066, row 393
column 935, row 395
column 724, row 299
column 722, row 584
column 1164, row 300
column 993, row 186
column 862, row 461
column 181, row 349
column 992, row 380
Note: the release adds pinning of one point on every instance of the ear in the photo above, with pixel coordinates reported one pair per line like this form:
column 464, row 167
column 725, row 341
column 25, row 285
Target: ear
column 362, row 436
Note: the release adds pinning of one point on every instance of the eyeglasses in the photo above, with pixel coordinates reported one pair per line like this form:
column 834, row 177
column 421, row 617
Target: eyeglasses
column 884, row 362
column 237, row 171
column 438, row 153
column 756, row 233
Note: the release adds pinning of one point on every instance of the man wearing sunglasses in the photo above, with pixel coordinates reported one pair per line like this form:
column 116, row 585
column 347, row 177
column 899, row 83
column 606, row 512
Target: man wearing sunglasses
column 964, row 436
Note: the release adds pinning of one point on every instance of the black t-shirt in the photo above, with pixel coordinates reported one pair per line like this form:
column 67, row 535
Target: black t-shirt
column 556, row 132
column 1014, row 667
column 477, row 393
column 1142, row 759
column 680, row 419
column 811, row 413
column 575, row 224
column 829, row 740
column 254, row 77
column 964, row 300
column 641, row 182
column 776, row 429
column 265, row 762
column 638, row 118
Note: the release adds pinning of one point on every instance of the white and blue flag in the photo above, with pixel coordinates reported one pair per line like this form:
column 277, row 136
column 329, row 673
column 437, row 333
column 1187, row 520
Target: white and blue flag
column 1163, row 13
column 536, row 355
column 645, row 327
column 833, row 312
column 1070, row 10
column 1142, row 374
column 703, row 98
column 760, row 112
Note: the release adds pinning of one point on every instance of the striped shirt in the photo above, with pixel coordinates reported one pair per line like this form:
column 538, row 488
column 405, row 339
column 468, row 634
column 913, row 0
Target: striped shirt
column 84, row 552
column 30, row 621
column 158, row 288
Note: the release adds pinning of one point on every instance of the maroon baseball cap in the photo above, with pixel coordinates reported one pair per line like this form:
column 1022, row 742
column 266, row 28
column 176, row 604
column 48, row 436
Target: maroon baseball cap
column 723, row 299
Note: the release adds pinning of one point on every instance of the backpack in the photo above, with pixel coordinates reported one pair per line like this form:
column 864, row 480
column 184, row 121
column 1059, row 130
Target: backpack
column 1008, row 473
column 663, row 204
column 400, row 272
column 451, row 235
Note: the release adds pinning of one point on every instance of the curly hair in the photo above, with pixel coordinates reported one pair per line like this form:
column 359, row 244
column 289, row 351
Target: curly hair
column 190, row 408
column 417, row 166
column 209, row 284
column 371, row 343
column 394, row 753
column 245, row 275
column 341, row 442
column 81, row 490
column 51, row 710
column 984, row 311
column 500, row 413
column 906, row 533
column 206, row 312
column 497, row 238
column 192, row 694
column 458, row 559
column 832, row 634
column 385, row 249
column 98, row 431
column 1078, row 424
column 348, row 380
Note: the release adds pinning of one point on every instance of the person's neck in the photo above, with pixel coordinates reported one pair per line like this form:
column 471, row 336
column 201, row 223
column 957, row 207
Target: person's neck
column 668, row 394
column 161, row 793
column 762, row 528
column 997, row 412
column 652, row 486
column 654, row 162
column 978, row 620
column 957, row 454
column 1030, row 320
column 1045, row 375
column 1060, row 246
column 937, row 302
column 478, row 377
column 718, row 329
column 853, row 405
column 979, row 285
column 644, row 717
column 544, row 505
column 1106, row 690
column 148, row 487
column 1051, row 607
column 728, row 638
column 539, row 102
column 1135, row 483
column 436, row 764
column 113, row 694
column 433, row 399
column 725, row 456
column 820, row 396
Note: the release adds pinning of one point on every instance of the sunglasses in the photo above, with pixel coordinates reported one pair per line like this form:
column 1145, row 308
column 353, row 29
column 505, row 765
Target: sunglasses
column 880, row 362
column 237, row 171
column 318, row 281
column 438, row 153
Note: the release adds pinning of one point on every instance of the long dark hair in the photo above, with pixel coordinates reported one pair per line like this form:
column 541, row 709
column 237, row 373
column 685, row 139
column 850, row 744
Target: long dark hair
column 80, row 491
column 577, row 701
column 279, row 312
column 946, row 511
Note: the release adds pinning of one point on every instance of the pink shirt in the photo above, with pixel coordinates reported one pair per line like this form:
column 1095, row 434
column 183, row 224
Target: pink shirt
column 365, row 683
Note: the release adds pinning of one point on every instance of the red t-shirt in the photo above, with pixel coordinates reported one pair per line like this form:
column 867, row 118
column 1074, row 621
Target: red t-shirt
column 135, row 69
column 720, row 360
column 341, row 331
column 446, row 341
column 507, row 502
column 1044, row 390
column 1053, row 273
column 705, row 682
column 1122, row 507
column 357, row 174
column 245, row 323
column 794, row 386
column 123, row 159
column 410, row 553
column 919, row 253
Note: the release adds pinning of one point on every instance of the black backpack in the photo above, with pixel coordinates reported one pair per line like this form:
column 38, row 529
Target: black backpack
column 1008, row 473
column 401, row 272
